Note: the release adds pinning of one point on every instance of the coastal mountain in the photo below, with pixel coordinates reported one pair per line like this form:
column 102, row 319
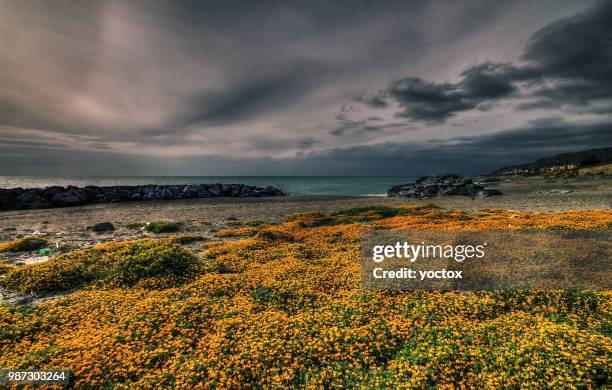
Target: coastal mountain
column 564, row 161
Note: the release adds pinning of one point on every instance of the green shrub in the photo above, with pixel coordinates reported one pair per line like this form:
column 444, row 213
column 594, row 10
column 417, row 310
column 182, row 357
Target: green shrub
column 22, row 245
column 274, row 235
column 110, row 264
column 310, row 219
column 163, row 227
column 65, row 248
column 185, row 239
column 135, row 225
column 255, row 223
column 143, row 260
column 384, row 211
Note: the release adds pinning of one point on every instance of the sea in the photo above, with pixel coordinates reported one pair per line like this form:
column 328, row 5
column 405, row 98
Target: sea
column 293, row 185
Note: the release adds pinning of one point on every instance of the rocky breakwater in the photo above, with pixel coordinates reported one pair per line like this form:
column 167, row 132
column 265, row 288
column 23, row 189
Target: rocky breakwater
column 38, row 198
column 448, row 184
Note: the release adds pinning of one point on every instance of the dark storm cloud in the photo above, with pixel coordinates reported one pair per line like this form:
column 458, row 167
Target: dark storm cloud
column 247, row 100
column 465, row 155
column 576, row 52
column 476, row 154
column 188, row 62
column 369, row 125
column 428, row 101
column 566, row 62
column 433, row 102
column 234, row 87
column 575, row 47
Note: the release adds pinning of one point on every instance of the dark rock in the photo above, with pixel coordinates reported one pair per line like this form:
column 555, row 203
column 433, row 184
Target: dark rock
column 68, row 198
column 446, row 184
column 215, row 189
column 39, row 203
column 37, row 198
column 492, row 192
column 103, row 227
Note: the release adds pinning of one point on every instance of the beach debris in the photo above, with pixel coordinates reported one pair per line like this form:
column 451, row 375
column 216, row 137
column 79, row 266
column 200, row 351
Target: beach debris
column 560, row 191
column 44, row 251
column 36, row 260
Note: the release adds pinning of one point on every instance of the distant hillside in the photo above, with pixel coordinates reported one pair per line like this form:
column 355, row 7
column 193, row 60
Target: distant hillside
column 564, row 161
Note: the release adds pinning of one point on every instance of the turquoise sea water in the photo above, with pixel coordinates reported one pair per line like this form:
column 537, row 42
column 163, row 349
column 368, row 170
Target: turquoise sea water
column 294, row 185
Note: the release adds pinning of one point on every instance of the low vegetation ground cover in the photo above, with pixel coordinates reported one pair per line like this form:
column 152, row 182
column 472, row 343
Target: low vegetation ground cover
column 282, row 306
column 23, row 245
column 162, row 227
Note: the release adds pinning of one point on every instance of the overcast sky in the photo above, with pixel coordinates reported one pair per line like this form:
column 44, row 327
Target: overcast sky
column 300, row 87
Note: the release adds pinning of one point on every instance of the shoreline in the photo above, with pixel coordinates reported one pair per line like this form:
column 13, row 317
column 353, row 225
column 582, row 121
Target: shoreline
column 206, row 216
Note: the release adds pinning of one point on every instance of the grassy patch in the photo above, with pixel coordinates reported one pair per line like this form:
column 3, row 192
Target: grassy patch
column 273, row 234
column 65, row 248
column 135, row 225
column 383, row 211
column 5, row 268
column 311, row 219
column 23, row 245
column 240, row 232
column 184, row 239
column 388, row 211
column 112, row 264
column 163, row 227
column 255, row 223
column 358, row 214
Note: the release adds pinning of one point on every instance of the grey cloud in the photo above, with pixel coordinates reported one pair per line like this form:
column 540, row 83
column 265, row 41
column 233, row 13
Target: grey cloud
column 576, row 52
column 432, row 102
column 494, row 80
column 374, row 101
column 307, row 143
column 575, row 47
column 466, row 155
column 566, row 62
column 428, row 101
column 539, row 104
column 356, row 127
column 476, row 154
column 144, row 85
column 242, row 101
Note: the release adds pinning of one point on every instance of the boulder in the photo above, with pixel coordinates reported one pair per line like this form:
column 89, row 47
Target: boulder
column 68, row 198
column 446, row 184
column 103, row 227
column 36, row 198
